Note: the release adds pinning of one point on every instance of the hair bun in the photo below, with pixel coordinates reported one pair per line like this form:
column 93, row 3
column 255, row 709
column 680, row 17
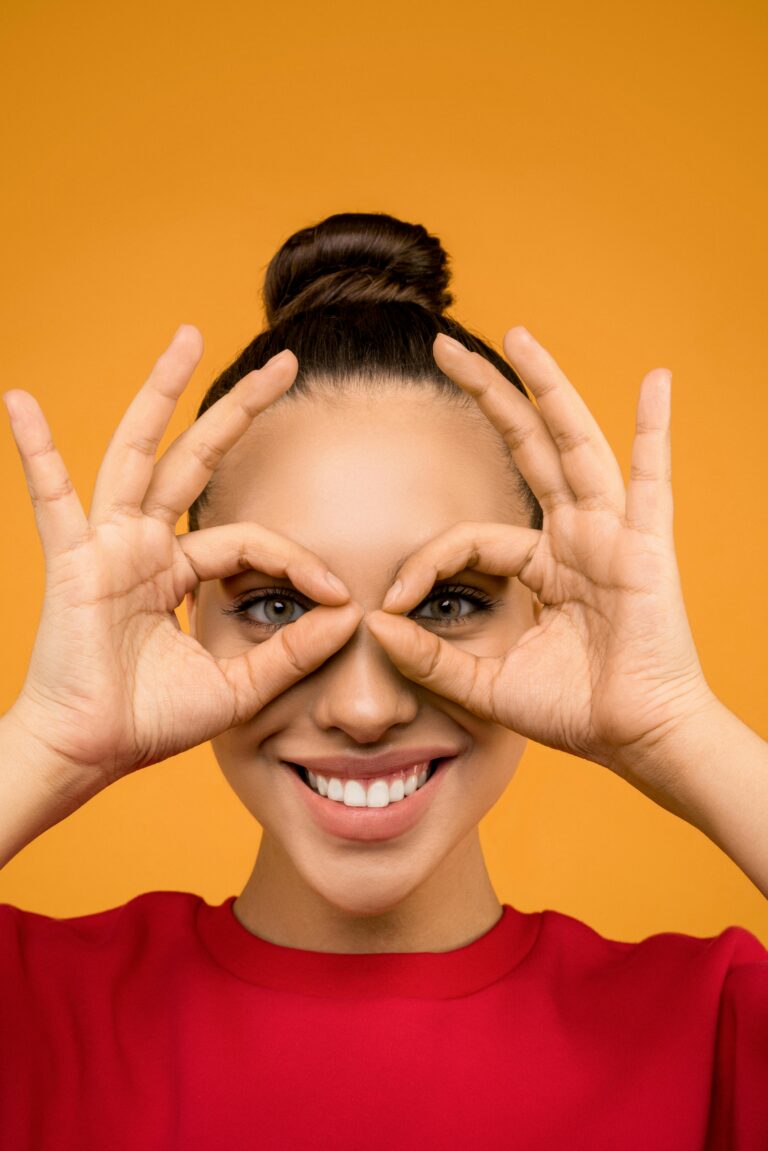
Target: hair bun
column 356, row 257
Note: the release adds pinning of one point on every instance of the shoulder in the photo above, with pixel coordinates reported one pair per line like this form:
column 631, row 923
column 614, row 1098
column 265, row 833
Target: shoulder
column 689, row 962
column 153, row 917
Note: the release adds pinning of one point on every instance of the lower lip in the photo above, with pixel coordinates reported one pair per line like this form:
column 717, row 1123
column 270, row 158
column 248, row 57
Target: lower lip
column 370, row 823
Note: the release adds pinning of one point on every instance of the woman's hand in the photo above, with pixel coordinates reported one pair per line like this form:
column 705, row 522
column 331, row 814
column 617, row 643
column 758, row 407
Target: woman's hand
column 114, row 684
column 609, row 672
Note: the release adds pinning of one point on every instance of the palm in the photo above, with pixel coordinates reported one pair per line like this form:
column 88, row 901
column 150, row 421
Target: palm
column 611, row 628
column 610, row 657
column 120, row 669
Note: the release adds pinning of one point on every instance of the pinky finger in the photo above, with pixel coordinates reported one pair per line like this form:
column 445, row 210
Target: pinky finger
column 649, row 492
column 60, row 518
column 264, row 672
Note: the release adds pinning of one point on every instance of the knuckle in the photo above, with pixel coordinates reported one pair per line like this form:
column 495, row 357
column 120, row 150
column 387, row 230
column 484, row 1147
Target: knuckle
column 641, row 473
column 46, row 449
column 209, row 455
column 162, row 511
column 644, row 428
column 59, row 492
column 516, row 434
column 568, row 441
column 433, row 655
column 144, row 445
column 292, row 654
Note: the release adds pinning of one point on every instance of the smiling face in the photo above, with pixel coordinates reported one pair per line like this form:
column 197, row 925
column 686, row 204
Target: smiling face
column 363, row 480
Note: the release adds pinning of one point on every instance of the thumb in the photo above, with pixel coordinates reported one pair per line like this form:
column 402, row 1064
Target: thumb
column 433, row 662
column 299, row 648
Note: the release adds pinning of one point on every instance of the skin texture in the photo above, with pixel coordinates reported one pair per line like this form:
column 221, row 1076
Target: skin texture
column 362, row 483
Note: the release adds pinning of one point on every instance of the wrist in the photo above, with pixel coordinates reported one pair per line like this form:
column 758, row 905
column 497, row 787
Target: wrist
column 667, row 764
column 24, row 747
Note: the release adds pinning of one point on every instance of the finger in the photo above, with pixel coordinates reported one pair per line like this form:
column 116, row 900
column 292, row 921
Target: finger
column 590, row 466
column 498, row 549
column 215, row 553
column 649, row 492
column 513, row 415
column 261, row 674
column 188, row 464
column 129, row 460
column 61, row 521
column 436, row 664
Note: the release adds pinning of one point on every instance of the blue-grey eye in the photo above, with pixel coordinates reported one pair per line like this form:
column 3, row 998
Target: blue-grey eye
column 273, row 610
column 445, row 602
column 268, row 608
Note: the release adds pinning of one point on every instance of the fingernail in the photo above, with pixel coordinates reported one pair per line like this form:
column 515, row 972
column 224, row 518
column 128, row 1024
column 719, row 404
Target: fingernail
column 454, row 344
column 335, row 583
column 392, row 594
column 279, row 358
column 10, row 405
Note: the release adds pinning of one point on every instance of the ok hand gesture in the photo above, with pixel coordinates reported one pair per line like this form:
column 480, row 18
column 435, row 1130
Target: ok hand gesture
column 610, row 666
column 114, row 684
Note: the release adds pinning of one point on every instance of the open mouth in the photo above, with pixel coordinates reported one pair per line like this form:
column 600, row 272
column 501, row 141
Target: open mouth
column 374, row 792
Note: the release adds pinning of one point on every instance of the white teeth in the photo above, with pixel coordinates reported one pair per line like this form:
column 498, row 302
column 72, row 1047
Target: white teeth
column 396, row 790
column 336, row 790
column 354, row 793
column 378, row 793
column 371, row 793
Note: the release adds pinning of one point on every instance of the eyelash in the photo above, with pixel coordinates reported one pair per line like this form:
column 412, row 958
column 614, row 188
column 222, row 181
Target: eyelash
column 482, row 602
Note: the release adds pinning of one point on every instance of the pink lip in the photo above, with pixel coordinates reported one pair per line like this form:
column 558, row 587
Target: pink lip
column 360, row 767
column 370, row 823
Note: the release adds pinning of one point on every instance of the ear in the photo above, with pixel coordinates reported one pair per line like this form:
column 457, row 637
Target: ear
column 537, row 606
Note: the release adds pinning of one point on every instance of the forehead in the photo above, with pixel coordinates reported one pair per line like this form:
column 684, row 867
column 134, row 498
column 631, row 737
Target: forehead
column 366, row 473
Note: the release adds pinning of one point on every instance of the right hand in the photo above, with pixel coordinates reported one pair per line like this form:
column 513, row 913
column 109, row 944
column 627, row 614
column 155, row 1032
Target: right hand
column 114, row 684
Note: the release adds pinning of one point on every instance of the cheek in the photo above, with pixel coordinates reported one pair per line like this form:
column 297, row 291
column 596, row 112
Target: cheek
column 503, row 628
column 500, row 766
column 217, row 633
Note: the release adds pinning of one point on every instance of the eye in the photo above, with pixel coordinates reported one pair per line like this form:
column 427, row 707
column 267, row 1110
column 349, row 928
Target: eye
column 268, row 608
column 445, row 600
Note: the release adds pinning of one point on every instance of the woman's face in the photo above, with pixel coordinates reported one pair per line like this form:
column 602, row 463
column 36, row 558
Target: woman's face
column 363, row 481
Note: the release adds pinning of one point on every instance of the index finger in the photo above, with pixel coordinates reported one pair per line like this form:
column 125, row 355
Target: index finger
column 513, row 415
column 225, row 550
column 498, row 549
column 186, row 467
column 129, row 459
column 587, row 459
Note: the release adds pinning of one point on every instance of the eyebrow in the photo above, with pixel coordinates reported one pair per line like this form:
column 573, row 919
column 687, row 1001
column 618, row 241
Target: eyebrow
column 391, row 572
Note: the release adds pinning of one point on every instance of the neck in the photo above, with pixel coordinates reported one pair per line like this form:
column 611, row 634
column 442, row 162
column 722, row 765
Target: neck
column 452, row 907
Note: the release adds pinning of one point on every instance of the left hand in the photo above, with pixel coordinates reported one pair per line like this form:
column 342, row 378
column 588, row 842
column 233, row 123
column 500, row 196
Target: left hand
column 609, row 672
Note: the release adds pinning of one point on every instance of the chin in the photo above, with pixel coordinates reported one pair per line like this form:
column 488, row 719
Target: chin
column 365, row 891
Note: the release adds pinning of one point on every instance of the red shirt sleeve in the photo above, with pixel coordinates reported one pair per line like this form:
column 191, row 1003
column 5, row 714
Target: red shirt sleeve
column 739, row 1109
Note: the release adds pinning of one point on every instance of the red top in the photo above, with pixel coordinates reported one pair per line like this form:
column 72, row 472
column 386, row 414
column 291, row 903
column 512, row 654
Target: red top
column 164, row 1024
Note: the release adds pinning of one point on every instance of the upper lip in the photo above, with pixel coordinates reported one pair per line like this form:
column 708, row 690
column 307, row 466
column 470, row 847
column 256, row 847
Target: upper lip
column 356, row 767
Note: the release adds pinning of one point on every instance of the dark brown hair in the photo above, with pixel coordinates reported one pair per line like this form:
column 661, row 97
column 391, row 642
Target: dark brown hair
column 359, row 296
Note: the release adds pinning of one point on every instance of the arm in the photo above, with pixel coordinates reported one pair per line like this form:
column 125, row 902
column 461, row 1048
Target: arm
column 715, row 777
column 37, row 788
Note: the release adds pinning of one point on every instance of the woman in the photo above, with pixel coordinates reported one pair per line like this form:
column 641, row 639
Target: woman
column 398, row 570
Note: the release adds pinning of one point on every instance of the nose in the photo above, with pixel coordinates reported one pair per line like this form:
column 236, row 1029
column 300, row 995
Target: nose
column 361, row 692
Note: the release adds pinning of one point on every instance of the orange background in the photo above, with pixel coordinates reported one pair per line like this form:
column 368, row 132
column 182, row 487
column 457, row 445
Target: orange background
column 597, row 171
